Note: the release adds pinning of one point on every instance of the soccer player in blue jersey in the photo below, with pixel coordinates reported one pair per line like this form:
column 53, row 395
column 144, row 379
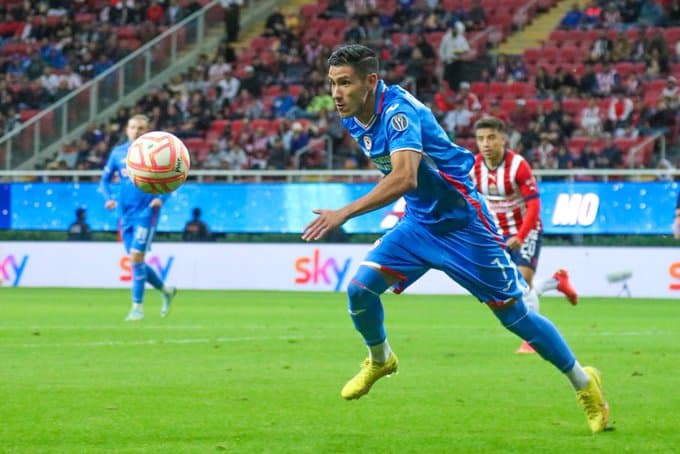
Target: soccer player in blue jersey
column 139, row 213
column 446, row 227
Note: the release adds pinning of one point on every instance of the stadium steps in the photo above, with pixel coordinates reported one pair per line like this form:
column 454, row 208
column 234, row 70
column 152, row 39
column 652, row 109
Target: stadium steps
column 257, row 27
column 537, row 33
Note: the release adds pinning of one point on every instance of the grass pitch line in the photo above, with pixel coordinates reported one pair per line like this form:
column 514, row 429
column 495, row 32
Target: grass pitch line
column 222, row 340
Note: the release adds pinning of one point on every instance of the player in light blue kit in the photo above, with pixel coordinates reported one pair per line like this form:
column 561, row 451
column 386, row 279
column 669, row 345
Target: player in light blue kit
column 139, row 213
column 446, row 227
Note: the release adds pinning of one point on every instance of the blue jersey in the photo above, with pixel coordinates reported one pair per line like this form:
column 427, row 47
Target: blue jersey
column 133, row 203
column 445, row 196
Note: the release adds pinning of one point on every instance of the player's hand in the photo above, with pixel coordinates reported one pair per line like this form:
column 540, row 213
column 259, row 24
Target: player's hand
column 156, row 203
column 110, row 204
column 328, row 220
column 676, row 228
column 513, row 243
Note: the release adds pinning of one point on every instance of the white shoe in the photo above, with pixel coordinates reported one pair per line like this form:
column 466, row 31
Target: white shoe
column 134, row 315
column 167, row 301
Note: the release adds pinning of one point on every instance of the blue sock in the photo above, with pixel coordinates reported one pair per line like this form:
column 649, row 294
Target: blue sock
column 540, row 332
column 365, row 307
column 138, row 282
column 153, row 278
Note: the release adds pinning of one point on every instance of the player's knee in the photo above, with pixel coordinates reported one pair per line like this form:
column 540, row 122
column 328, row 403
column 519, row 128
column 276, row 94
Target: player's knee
column 509, row 316
column 136, row 257
column 367, row 285
column 358, row 295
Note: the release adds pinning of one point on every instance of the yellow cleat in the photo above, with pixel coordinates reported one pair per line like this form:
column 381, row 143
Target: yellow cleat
column 591, row 400
column 370, row 372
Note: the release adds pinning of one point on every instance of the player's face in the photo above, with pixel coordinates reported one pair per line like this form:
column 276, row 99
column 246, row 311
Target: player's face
column 353, row 95
column 135, row 128
column 490, row 143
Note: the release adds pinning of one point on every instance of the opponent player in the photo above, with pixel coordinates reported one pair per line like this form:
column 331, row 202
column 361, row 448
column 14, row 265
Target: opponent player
column 446, row 227
column 505, row 180
column 139, row 213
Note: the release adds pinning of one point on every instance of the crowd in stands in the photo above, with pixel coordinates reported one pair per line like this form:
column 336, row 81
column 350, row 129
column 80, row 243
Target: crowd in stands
column 50, row 47
column 268, row 106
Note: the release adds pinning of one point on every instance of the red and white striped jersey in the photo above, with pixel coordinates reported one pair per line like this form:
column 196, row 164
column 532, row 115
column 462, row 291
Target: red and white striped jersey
column 506, row 190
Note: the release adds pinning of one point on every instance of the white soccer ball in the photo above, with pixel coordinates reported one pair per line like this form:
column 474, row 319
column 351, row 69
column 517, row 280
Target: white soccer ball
column 158, row 162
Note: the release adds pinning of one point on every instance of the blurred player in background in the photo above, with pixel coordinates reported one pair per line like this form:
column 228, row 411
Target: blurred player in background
column 505, row 180
column 446, row 227
column 676, row 221
column 139, row 213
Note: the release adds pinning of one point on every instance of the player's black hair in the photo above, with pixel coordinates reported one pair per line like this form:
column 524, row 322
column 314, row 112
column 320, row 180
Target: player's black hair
column 490, row 123
column 361, row 58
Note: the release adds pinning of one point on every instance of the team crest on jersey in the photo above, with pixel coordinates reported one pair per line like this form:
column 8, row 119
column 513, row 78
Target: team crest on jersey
column 399, row 122
column 368, row 143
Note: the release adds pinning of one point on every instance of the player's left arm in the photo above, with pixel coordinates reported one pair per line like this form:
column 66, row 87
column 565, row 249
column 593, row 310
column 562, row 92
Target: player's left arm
column 529, row 189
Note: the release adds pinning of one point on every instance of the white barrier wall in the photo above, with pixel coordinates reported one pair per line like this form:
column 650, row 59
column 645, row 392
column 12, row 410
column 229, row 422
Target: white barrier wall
column 655, row 272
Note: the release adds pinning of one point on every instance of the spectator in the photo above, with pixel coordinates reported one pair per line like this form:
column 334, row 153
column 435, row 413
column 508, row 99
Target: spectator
column 236, row 156
column 196, row 229
column 564, row 83
column 592, row 15
column 232, row 18
column 175, row 13
column 218, row 69
column 279, row 157
column 611, row 155
column 656, row 64
column 251, row 82
column 591, row 118
column 611, row 17
column 228, row 88
column 469, row 99
column 79, row 230
column 601, row 49
column 476, row 17
column 651, row 14
column 452, row 48
column 457, row 122
column 520, row 117
column 322, row 100
column 620, row 109
column 671, row 92
column 217, row 159
column 543, row 82
column 587, row 84
column 607, row 80
column 275, row 25
column 622, row 48
column 282, row 103
column 630, row 10
column 572, row 19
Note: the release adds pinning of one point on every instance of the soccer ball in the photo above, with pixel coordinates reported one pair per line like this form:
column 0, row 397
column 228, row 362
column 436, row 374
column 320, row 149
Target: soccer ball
column 158, row 162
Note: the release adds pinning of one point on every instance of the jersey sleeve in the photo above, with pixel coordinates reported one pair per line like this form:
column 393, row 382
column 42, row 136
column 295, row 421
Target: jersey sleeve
column 529, row 189
column 526, row 182
column 403, row 129
column 107, row 175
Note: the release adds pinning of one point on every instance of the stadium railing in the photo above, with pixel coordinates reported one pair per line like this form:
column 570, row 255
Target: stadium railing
column 292, row 176
column 99, row 98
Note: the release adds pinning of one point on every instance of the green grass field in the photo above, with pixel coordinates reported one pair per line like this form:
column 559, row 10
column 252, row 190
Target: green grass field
column 262, row 372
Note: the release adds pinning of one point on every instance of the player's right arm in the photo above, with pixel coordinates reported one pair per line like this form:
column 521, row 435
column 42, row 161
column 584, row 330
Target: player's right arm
column 105, row 184
column 402, row 179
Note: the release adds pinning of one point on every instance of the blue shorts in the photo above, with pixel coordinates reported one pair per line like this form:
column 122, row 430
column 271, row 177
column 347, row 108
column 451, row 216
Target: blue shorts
column 528, row 254
column 473, row 256
column 138, row 233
